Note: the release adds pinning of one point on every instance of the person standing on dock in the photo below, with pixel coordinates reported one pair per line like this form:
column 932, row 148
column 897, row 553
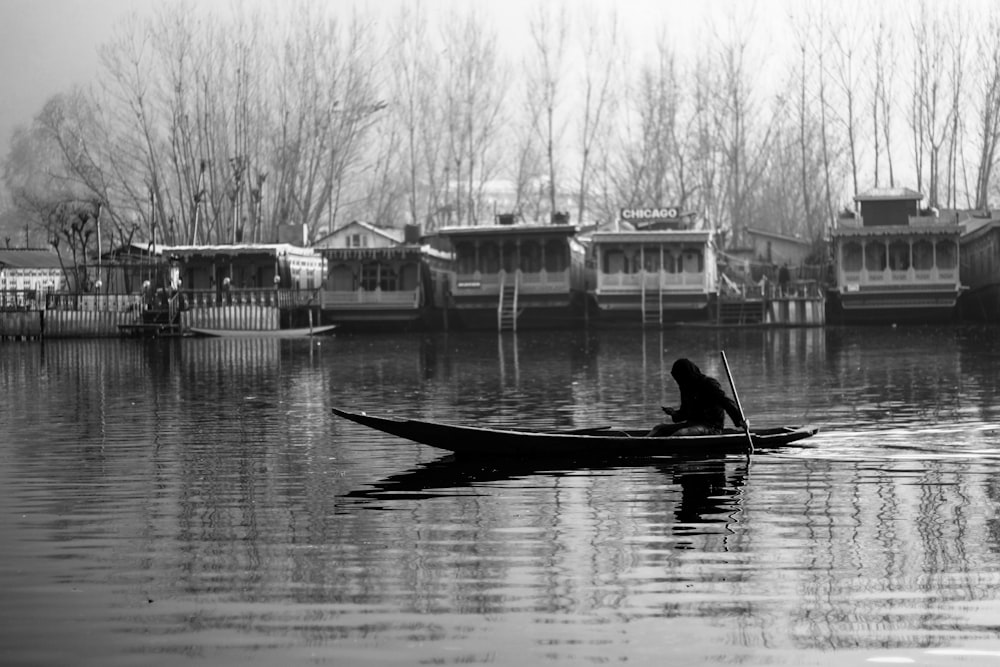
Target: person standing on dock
column 783, row 279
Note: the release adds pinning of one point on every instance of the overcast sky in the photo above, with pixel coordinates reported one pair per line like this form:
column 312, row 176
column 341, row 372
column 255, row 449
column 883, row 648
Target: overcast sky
column 47, row 46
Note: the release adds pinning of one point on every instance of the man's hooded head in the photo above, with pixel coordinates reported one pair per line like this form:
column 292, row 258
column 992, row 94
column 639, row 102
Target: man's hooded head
column 684, row 371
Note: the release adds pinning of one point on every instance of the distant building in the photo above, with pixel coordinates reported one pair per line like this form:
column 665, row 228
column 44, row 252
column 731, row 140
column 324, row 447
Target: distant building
column 30, row 270
column 773, row 248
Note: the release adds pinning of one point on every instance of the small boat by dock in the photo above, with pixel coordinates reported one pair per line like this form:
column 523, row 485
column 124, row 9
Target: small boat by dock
column 600, row 442
column 304, row 332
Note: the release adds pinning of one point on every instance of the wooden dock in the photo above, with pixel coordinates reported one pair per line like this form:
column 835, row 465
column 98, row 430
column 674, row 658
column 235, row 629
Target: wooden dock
column 114, row 315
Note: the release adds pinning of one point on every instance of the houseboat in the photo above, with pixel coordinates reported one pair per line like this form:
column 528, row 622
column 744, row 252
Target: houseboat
column 980, row 261
column 512, row 275
column 208, row 268
column 382, row 278
column 893, row 262
column 244, row 286
column 654, row 268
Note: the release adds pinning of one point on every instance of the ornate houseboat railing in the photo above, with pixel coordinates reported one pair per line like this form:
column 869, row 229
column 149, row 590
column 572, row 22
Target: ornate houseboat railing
column 374, row 298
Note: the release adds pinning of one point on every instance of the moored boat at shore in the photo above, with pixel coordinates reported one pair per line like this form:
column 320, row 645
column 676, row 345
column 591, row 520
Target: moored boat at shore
column 511, row 276
column 894, row 262
column 655, row 267
column 303, row 332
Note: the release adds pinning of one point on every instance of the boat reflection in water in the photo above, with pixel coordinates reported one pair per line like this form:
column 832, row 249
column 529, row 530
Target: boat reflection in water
column 704, row 490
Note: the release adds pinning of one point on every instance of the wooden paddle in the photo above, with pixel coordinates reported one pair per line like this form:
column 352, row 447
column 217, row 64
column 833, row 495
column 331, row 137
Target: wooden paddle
column 736, row 397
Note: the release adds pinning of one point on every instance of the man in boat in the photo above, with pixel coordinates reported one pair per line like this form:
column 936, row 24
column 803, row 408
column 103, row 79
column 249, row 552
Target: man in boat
column 704, row 404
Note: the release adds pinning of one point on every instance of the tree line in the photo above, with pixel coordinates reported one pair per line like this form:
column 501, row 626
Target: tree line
column 209, row 127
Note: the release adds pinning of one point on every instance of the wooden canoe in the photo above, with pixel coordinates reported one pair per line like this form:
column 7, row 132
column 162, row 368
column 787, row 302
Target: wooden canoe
column 483, row 441
column 269, row 333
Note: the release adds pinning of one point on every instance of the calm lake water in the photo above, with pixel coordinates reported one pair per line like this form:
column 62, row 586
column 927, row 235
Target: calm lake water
column 195, row 502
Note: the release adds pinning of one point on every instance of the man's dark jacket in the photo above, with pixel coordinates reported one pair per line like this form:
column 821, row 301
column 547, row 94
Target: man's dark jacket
column 703, row 401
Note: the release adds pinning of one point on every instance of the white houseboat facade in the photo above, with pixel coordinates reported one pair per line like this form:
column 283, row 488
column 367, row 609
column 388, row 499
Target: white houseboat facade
column 894, row 263
column 654, row 269
column 517, row 275
column 382, row 278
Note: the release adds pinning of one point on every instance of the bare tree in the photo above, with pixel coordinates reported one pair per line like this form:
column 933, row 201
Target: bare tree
column 472, row 94
column 651, row 171
column 958, row 39
column 846, row 69
column 741, row 131
column 601, row 68
column 805, row 137
column 937, row 79
column 987, row 105
column 411, row 62
column 549, row 33
column 882, row 119
column 527, row 167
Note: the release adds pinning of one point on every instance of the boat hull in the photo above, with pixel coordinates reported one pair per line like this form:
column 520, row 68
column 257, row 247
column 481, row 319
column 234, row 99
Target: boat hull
column 483, row 442
column 268, row 333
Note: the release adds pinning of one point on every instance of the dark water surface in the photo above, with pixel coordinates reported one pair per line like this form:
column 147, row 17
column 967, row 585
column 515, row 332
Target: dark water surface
column 194, row 502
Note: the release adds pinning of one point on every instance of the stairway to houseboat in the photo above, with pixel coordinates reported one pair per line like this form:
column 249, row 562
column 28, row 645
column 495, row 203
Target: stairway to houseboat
column 507, row 308
column 652, row 307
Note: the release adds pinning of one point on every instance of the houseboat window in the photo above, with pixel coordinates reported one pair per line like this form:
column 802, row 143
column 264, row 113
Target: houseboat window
column 899, row 255
column 692, row 261
column 875, row 259
column 409, row 277
column 614, row 262
column 489, row 257
column 634, row 262
column 466, row 253
column 652, row 259
column 531, row 257
column 369, row 275
column 509, row 256
column 923, row 255
column 851, row 256
column 946, row 254
column 342, row 278
column 670, row 264
column 555, row 256
column 388, row 279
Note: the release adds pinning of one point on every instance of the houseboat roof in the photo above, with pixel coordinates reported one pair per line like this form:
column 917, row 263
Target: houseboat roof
column 889, row 194
column 239, row 249
column 682, row 235
column 394, row 235
column 135, row 248
column 29, row 259
column 979, row 224
column 780, row 237
column 393, row 252
column 521, row 229
column 947, row 228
